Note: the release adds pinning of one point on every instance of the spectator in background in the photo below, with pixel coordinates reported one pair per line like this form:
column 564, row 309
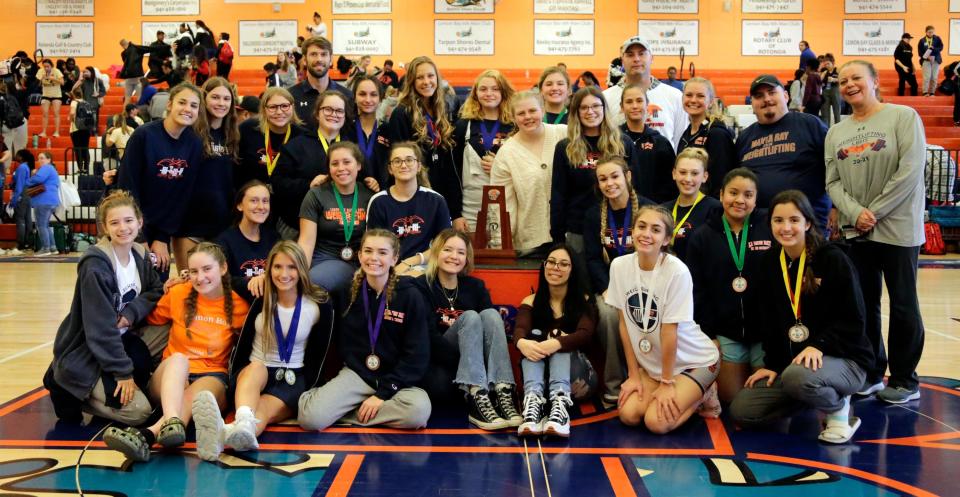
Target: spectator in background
column 796, row 88
column 204, row 38
column 248, row 108
column 159, row 52
column 273, row 76
column 118, row 135
column 21, row 201
column 224, row 56
column 672, row 78
column 812, row 98
column 806, row 55
column 586, row 79
column 131, row 114
column 14, row 134
column 929, row 49
column 287, row 69
column 903, row 63
column 183, row 46
column 132, row 69
column 93, row 90
column 71, row 74
column 80, row 130
column 50, row 80
column 318, row 28
column 201, row 66
column 388, row 77
column 830, row 90
column 147, row 91
column 614, row 72
column 169, row 74
column 45, row 202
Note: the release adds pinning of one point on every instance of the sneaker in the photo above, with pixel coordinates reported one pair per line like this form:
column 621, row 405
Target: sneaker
column 482, row 413
column 503, row 402
column 3, row 252
column 42, row 253
column 869, row 388
column 15, row 252
column 898, row 395
column 558, row 422
column 209, row 425
column 532, row 424
column 242, row 436
column 610, row 399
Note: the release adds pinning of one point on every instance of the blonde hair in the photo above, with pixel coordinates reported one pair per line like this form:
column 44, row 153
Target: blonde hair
column 472, row 109
column 229, row 124
column 190, row 305
column 604, row 205
column 550, row 71
column 713, row 110
column 423, row 176
column 359, row 275
column 610, row 143
column 436, row 105
column 665, row 217
column 269, row 93
column 433, row 258
column 116, row 198
column 693, row 153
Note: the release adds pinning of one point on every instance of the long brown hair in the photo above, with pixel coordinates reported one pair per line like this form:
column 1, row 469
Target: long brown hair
column 812, row 238
column 229, row 124
column 190, row 305
column 436, row 105
column 423, row 177
column 433, row 258
column 305, row 288
column 359, row 275
column 604, row 205
column 610, row 143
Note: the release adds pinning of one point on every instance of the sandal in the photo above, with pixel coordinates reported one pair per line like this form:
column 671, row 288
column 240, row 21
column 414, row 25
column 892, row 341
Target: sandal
column 172, row 433
column 839, row 432
column 129, row 442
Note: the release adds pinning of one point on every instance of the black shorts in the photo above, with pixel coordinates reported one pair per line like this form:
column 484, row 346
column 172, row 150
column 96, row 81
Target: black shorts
column 223, row 377
column 289, row 394
column 51, row 99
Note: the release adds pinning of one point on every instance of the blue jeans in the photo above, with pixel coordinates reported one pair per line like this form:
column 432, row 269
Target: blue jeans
column 556, row 368
column 42, row 214
column 331, row 273
column 23, row 214
column 483, row 349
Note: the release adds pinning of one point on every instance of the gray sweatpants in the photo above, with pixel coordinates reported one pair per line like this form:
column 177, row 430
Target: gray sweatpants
column 339, row 399
column 797, row 388
column 609, row 331
column 135, row 413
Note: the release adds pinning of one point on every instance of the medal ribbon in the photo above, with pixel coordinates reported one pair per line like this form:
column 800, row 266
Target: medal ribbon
column 347, row 226
column 676, row 229
column 621, row 245
column 323, row 140
column 272, row 162
column 794, row 295
column 366, row 145
column 738, row 259
column 285, row 344
column 373, row 329
column 647, row 303
column 432, row 129
column 560, row 117
column 487, row 136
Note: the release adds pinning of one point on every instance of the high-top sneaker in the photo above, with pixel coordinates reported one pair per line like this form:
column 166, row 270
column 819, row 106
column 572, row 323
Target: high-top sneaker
column 503, row 402
column 482, row 413
column 532, row 424
column 558, row 421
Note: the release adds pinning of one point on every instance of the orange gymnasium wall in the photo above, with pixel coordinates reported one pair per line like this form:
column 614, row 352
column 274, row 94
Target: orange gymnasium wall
column 413, row 28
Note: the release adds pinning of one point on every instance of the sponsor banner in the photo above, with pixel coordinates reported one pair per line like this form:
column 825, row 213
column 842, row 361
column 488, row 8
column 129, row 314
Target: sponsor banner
column 563, row 6
column 667, row 6
column 954, row 6
column 772, row 6
column 562, row 37
column 65, row 39
column 874, row 6
column 171, row 28
column 267, row 37
column 363, row 37
column 170, row 7
column 463, row 6
column 954, row 48
column 264, row 1
column 361, row 7
column 871, row 37
column 771, row 37
column 463, row 37
column 64, row 8
column 667, row 37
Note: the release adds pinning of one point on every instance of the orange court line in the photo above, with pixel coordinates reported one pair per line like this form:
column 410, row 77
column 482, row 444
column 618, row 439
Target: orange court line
column 618, row 477
column 13, row 406
column 718, row 434
column 345, row 476
column 882, row 480
column 918, row 440
column 939, row 388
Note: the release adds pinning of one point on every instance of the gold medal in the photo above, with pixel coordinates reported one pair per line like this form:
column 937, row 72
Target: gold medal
column 373, row 362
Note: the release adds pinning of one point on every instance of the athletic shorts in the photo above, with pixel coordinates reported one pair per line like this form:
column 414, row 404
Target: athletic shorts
column 289, row 394
column 223, row 377
column 740, row 353
column 704, row 377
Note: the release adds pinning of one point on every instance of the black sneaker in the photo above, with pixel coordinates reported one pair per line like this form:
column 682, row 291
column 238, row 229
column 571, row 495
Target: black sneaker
column 532, row 415
column 558, row 422
column 482, row 414
column 504, row 404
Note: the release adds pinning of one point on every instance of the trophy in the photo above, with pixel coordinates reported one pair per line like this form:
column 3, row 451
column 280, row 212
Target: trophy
column 493, row 229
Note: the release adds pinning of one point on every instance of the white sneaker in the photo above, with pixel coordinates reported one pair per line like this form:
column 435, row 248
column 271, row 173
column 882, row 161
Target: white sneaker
column 558, row 422
column 15, row 252
column 533, row 407
column 3, row 252
column 243, row 435
column 43, row 253
column 209, row 425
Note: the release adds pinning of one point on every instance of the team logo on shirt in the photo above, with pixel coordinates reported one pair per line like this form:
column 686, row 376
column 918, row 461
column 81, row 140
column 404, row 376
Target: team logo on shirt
column 682, row 232
column 448, row 316
column 408, row 226
column 253, row 267
column 590, row 162
column 171, row 168
column 635, row 310
column 653, row 112
column 875, row 145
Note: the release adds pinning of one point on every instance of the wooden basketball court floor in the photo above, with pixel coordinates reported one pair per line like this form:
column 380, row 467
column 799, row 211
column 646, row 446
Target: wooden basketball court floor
column 912, row 449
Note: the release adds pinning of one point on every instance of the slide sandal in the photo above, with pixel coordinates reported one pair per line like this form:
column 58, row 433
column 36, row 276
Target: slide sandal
column 839, row 432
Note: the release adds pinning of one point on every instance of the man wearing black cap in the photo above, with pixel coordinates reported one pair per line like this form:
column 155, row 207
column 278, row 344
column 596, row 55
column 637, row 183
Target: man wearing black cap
column 903, row 63
column 784, row 149
column 249, row 107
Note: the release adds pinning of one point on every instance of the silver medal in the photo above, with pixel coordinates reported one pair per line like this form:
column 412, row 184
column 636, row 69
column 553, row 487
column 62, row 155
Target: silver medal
column 278, row 375
column 373, row 362
column 645, row 346
column 290, row 377
column 346, row 254
column 798, row 333
column 739, row 284
column 435, row 157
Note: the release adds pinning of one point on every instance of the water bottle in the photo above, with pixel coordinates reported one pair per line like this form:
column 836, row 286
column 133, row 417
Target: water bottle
column 36, row 141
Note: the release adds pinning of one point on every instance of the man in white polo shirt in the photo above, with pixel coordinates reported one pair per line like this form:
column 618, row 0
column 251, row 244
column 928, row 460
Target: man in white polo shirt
column 665, row 109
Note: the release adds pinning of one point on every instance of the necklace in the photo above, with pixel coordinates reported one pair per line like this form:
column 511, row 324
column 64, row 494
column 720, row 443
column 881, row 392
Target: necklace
column 450, row 298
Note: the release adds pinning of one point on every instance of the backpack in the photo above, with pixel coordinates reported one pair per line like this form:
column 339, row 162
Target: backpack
column 86, row 117
column 226, row 54
column 12, row 113
column 934, row 244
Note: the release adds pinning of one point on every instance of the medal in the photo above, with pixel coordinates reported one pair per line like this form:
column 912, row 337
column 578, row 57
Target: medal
column 645, row 346
column 272, row 163
column 739, row 284
column 285, row 343
column 348, row 222
column 290, row 377
column 739, row 256
column 621, row 245
column 798, row 333
column 678, row 226
column 373, row 329
column 346, row 254
column 488, row 136
column 278, row 375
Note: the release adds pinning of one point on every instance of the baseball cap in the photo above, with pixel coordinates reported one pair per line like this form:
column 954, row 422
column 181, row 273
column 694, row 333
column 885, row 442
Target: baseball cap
column 765, row 79
column 634, row 40
column 250, row 104
column 907, row 36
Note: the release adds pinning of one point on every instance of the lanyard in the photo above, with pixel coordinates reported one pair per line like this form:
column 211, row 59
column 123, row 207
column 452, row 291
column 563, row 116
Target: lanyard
column 487, row 137
column 431, row 129
column 647, row 302
column 558, row 119
column 285, row 344
column 373, row 329
column 738, row 258
column 347, row 226
column 676, row 229
column 366, row 145
column 323, row 140
column 272, row 162
column 621, row 245
column 793, row 295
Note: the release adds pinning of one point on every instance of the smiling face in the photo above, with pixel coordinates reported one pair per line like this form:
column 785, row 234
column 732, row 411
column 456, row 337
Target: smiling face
column 557, row 268
column 637, row 61
column 317, row 61
column 739, row 198
column 183, row 108
column 634, row 105
column 528, row 115
column 487, row 92
column 689, row 174
column 219, row 101
column 367, row 96
column 331, row 114
column 591, row 112
column 43, row 159
column 789, row 226
column 696, row 99
column 425, row 80
column 769, row 103
column 377, row 256
column 255, row 205
column 649, row 233
column 279, row 111
column 122, row 225
column 404, row 165
column 284, row 273
column 857, row 86
column 206, row 274
column 612, row 180
column 344, row 167
column 555, row 89
column 453, row 256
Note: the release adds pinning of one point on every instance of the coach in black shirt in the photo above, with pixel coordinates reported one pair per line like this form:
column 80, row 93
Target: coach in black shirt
column 903, row 63
column 317, row 53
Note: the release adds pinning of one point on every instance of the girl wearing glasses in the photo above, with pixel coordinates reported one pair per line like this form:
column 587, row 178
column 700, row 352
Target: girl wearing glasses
column 553, row 326
column 409, row 208
column 262, row 139
column 654, row 153
column 368, row 133
column 671, row 363
column 424, row 116
column 590, row 136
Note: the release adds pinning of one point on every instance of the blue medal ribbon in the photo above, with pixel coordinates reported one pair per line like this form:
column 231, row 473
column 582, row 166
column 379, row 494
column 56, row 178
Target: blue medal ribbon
column 373, row 329
column 366, row 145
column 488, row 136
column 621, row 245
column 285, row 343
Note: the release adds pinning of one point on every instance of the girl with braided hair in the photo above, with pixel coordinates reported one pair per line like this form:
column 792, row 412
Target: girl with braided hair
column 205, row 315
column 385, row 346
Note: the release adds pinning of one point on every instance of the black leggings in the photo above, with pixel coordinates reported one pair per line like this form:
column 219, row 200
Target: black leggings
column 81, row 149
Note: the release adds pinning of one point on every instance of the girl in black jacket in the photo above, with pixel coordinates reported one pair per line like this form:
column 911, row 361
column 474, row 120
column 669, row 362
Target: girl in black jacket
column 691, row 208
column 261, row 139
column 812, row 314
column 279, row 354
column 368, row 133
column 723, row 256
column 707, row 130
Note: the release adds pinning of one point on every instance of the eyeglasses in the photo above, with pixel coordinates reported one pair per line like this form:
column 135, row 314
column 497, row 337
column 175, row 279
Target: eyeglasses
column 280, row 107
column 595, row 108
column 330, row 111
column 564, row 265
column 409, row 162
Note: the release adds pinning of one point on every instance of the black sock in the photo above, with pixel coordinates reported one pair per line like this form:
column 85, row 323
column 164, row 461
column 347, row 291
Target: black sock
column 151, row 438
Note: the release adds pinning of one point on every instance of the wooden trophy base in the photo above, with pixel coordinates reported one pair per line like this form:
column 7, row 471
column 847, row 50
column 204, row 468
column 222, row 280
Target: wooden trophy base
column 500, row 256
